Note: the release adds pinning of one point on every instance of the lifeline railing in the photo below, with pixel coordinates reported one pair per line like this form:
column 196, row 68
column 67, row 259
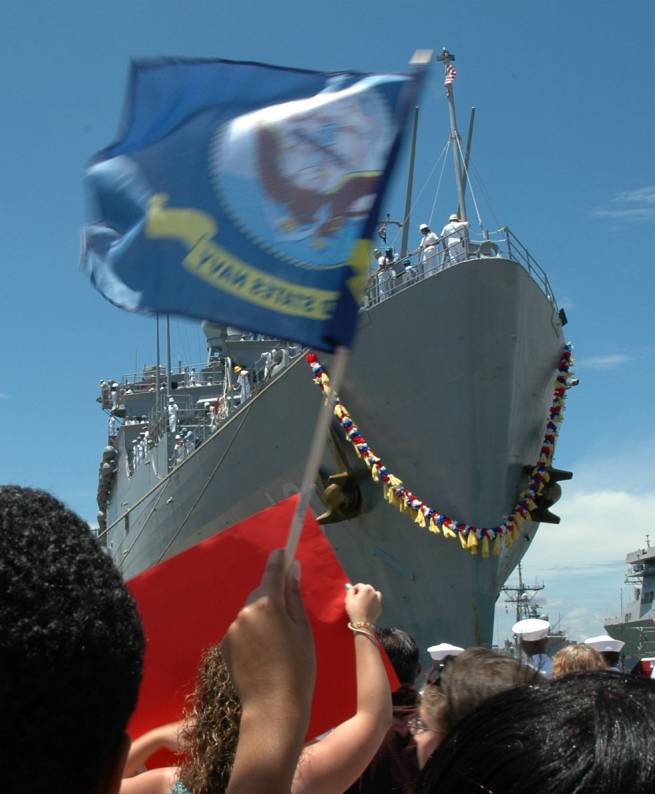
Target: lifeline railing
column 416, row 267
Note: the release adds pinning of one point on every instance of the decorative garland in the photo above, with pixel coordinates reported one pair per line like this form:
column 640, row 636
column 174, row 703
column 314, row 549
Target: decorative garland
column 471, row 537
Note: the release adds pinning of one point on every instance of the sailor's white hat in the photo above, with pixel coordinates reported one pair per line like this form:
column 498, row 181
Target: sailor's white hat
column 171, row 400
column 454, row 217
column 423, row 226
column 439, row 652
column 603, row 642
column 531, row 629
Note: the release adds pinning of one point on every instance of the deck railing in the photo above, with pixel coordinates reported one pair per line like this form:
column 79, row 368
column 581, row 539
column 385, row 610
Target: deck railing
column 415, row 267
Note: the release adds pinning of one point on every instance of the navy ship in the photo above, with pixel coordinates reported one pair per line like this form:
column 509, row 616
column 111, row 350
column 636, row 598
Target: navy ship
column 451, row 381
column 636, row 625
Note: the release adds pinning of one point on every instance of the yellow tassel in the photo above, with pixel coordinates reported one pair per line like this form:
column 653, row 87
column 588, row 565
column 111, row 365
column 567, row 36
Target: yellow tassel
column 433, row 527
column 375, row 474
column 472, row 542
column 462, row 540
column 498, row 545
column 509, row 539
column 448, row 533
column 485, row 547
column 340, row 411
column 420, row 519
column 325, row 380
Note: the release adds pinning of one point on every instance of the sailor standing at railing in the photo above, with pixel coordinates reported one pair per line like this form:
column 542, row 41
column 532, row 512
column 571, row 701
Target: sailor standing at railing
column 173, row 408
column 385, row 273
column 454, row 236
column 179, row 450
column 428, row 248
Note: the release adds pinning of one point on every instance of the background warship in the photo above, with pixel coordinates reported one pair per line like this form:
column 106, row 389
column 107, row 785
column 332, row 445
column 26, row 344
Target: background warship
column 451, row 380
column 636, row 624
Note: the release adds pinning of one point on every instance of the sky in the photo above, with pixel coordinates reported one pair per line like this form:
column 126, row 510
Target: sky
column 563, row 154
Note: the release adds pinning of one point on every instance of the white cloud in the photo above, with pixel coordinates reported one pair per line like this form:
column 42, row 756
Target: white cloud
column 632, row 206
column 598, row 528
column 641, row 194
column 608, row 361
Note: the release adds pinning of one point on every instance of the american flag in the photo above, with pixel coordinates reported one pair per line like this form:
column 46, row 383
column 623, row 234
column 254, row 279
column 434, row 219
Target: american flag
column 451, row 74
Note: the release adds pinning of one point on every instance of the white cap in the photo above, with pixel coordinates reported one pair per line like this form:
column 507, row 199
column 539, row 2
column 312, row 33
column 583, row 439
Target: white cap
column 605, row 643
column 170, row 400
column 453, row 216
column 439, row 652
column 531, row 629
column 423, row 226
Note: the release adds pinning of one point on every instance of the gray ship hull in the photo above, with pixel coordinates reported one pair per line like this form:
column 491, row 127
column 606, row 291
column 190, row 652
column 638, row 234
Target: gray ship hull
column 450, row 382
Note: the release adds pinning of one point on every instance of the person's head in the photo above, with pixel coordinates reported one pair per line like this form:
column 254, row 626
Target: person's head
column 577, row 658
column 424, row 228
column 586, row 732
column 388, row 252
column 608, row 647
column 376, row 253
column 403, row 654
column 533, row 634
column 71, row 649
column 466, row 681
column 211, row 729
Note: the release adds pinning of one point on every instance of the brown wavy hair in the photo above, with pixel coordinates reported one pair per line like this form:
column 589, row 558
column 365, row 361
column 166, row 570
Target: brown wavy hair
column 577, row 658
column 209, row 737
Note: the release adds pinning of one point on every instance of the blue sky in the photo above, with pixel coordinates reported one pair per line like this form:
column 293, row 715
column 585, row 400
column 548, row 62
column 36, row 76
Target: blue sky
column 563, row 145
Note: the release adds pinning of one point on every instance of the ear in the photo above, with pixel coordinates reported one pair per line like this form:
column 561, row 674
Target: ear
column 112, row 782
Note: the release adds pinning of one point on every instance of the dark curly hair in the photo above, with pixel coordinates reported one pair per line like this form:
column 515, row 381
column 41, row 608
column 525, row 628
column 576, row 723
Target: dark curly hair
column 71, row 649
column 211, row 728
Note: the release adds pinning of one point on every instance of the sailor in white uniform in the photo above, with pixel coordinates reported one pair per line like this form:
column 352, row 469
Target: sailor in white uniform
column 533, row 634
column 454, row 235
column 428, row 248
column 440, row 655
column 172, row 415
column 113, row 426
column 609, row 648
column 179, row 450
column 385, row 273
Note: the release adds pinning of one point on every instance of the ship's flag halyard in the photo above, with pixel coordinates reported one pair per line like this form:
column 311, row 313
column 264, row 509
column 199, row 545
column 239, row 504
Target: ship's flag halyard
column 246, row 194
column 187, row 603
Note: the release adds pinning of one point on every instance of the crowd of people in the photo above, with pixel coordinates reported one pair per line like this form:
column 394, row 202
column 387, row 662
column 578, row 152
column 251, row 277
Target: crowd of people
column 71, row 655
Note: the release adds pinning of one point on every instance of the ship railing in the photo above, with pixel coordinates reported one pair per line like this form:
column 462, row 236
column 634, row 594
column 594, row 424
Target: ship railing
column 416, row 266
column 205, row 419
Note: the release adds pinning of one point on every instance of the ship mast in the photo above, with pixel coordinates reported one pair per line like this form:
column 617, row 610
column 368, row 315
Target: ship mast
column 447, row 59
column 521, row 596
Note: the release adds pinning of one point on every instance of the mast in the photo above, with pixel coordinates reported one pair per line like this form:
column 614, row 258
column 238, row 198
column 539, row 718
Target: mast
column 447, row 59
column 157, row 395
column 168, row 355
column 410, row 185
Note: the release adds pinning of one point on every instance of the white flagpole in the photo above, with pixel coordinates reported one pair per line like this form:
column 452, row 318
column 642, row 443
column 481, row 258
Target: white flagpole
column 315, row 454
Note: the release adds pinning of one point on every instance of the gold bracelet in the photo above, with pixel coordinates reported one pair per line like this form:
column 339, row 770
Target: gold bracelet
column 362, row 624
column 358, row 628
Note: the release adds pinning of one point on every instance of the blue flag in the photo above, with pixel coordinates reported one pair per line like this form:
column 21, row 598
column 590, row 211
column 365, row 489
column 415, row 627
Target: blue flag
column 246, row 194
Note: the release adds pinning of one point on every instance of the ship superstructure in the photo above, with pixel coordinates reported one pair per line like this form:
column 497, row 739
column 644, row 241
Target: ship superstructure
column 636, row 625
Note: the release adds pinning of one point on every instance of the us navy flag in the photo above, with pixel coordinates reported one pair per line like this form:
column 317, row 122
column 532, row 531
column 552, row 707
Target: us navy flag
column 246, row 194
